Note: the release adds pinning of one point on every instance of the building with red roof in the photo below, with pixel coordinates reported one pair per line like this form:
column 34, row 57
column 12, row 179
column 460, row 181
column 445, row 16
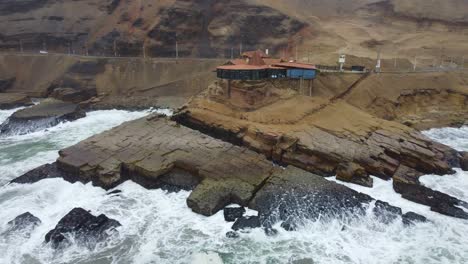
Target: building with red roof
column 257, row 65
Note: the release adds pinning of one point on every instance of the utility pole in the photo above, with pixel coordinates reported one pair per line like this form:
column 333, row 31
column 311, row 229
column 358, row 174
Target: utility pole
column 115, row 48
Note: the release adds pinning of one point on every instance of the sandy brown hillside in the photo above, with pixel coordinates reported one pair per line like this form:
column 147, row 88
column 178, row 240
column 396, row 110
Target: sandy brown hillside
column 434, row 31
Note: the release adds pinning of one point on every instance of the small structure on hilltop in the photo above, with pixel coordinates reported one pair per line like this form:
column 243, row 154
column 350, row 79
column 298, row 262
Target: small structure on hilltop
column 258, row 65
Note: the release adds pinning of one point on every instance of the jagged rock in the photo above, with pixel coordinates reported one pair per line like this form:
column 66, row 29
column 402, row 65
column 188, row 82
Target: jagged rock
column 411, row 218
column 23, row 221
column 289, row 225
column 352, row 172
column 43, row 172
column 246, row 222
column 84, row 226
column 232, row 234
column 232, row 213
column 295, row 194
column 48, row 113
column 406, row 182
column 386, row 212
column 14, row 100
column 270, row 231
column 464, row 160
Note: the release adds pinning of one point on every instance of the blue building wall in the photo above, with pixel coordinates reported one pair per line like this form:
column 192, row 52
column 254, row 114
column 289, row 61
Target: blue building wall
column 301, row 73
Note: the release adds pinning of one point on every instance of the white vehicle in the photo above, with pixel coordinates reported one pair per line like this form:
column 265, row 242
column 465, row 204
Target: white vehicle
column 43, row 52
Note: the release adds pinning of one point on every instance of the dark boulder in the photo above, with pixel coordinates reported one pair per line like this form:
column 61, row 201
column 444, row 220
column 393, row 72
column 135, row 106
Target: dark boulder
column 26, row 220
column 411, row 218
column 40, row 173
column 85, row 227
column 233, row 213
column 386, row 212
column 294, row 195
column 232, row 234
column 406, row 182
column 269, row 231
column 47, row 171
column 354, row 173
column 246, row 222
column 22, row 225
column 464, row 160
column 47, row 114
column 115, row 192
column 289, row 225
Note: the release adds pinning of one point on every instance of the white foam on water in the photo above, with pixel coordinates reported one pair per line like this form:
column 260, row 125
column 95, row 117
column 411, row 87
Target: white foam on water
column 21, row 153
column 158, row 227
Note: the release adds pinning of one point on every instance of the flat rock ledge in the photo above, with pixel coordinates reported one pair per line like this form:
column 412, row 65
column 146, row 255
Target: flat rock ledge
column 14, row 100
column 156, row 153
column 48, row 113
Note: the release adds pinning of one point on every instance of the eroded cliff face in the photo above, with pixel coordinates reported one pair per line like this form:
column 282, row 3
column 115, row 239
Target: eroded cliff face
column 206, row 28
column 122, row 83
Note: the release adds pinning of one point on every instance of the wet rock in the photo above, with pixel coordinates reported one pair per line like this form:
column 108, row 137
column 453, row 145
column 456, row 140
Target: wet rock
column 246, row 222
column 47, row 114
column 464, row 160
column 289, row 225
column 46, row 171
column 386, row 212
column 294, row 194
column 232, row 234
column 354, row 173
column 14, row 100
column 43, row 172
column 411, row 218
column 406, row 182
column 23, row 221
column 156, row 152
column 115, row 192
column 232, row 213
column 72, row 95
column 84, row 226
column 270, row 231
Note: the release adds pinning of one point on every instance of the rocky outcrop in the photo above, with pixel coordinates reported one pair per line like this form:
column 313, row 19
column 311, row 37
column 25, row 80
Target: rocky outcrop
column 14, row 100
column 158, row 153
column 44, row 115
column 26, row 220
column 233, row 213
column 352, row 172
column 294, row 194
column 325, row 137
column 406, row 182
column 464, row 160
column 83, row 226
